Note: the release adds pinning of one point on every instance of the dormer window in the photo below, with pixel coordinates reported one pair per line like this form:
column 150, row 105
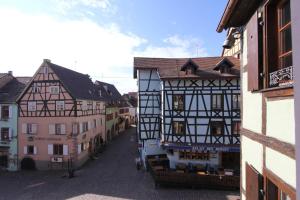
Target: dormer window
column 190, row 67
column 100, row 94
column 224, row 66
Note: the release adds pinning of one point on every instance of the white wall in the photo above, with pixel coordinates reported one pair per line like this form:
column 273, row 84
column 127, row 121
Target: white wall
column 280, row 120
column 282, row 165
column 252, row 152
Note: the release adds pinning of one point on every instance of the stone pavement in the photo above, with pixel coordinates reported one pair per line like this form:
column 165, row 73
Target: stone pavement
column 112, row 176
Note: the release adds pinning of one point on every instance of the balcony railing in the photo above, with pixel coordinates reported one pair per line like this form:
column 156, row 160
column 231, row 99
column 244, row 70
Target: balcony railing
column 282, row 77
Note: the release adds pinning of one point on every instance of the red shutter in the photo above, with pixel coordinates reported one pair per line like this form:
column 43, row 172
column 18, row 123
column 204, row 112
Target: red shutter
column 252, row 53
column 254, row 183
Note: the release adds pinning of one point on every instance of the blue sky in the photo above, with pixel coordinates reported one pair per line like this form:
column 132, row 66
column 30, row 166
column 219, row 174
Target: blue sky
column 100, row 37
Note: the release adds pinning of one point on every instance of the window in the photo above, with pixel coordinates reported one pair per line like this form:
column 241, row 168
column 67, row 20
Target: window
column 35, row 88
column 285, row 35
column 60, row 105
column 236, row 126
column 178, row 102
column 85, row 126
column 57, row 149
column 4, row 112
column 217, row 102
column 84, row 105
column 270, row 51
column 31, row 106
column 216, row 128
column 179, row 128
column 236, row 101
column 29, row 128
column 46, row 70
column 54, row 89
column 95, row 123
column 30, row 149
column 5, row 134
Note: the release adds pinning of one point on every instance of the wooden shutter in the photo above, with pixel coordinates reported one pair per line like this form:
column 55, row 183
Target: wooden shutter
column 65, row 149
column 89, row 125
column 24, row 128
column 62, row 129
column 81, row 127
column 51, row 129
column 10, row 112
column 34, row 150
column 254, row 184
column 79, row 148
column 253, row 53
column 50, row 149
column 9, row 133
column 25, row 150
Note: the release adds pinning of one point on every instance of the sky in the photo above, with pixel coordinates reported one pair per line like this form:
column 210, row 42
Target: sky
column 101, row 37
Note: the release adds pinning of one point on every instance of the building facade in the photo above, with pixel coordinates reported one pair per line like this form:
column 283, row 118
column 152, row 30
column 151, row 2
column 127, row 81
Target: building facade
column 10, row 88
column 268, row 164
column 112, row 98
column 61, row 119
column 189, row 110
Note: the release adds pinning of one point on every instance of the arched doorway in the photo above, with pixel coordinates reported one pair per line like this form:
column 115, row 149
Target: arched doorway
column 28, row 164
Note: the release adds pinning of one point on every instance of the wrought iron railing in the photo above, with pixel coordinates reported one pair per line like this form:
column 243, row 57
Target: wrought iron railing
column 282, row 77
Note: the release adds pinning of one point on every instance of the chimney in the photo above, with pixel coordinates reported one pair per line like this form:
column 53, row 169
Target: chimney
column 10, row 73
column 47, row 60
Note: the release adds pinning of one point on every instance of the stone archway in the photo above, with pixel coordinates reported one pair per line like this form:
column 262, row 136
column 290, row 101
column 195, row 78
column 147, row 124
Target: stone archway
column 28, row 163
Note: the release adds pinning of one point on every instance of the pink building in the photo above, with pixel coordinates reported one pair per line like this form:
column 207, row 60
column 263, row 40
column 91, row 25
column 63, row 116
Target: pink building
column 61, row 119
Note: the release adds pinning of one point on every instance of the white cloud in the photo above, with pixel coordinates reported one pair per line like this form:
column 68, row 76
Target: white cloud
column 175, row 46
column 81, row 45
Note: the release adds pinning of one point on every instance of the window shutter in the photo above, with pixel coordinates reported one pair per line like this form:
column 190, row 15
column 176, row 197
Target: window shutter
column 51, row 129
column 50, row 149
column 34, row 128
column 79, row 148
column 89, row 125
column 10, row 112
column 81, row 127
column 24, row 128
column 252, row 53
column 25, row 150
column 63, row 129
column 9, row 133
column 34, row 150
column 65, row 150
column 254, row 183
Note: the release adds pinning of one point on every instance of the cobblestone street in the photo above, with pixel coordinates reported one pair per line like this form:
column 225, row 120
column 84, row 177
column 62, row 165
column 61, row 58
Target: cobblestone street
column 112, row 176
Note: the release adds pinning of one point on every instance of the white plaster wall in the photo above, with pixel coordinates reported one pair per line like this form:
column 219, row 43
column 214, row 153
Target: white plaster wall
column 280, row 120
column 252, row 152
column 281, row 165
column 252, row 102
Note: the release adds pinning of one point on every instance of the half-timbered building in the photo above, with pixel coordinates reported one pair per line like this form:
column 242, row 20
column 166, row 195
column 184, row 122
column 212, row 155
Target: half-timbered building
column 61, row 119
column 268, row 165
column 189, row 109
column 112, row 98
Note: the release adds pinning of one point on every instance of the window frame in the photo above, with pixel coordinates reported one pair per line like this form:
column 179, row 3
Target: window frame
column 57, row 148
column 59, row 105
column 233, row 126
column 217, row 123
column 179, row 108
column 174, row 128
column 29, row 147
column 4, row 111
column 217, row 102
column 31, row 106
column 4, row 132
